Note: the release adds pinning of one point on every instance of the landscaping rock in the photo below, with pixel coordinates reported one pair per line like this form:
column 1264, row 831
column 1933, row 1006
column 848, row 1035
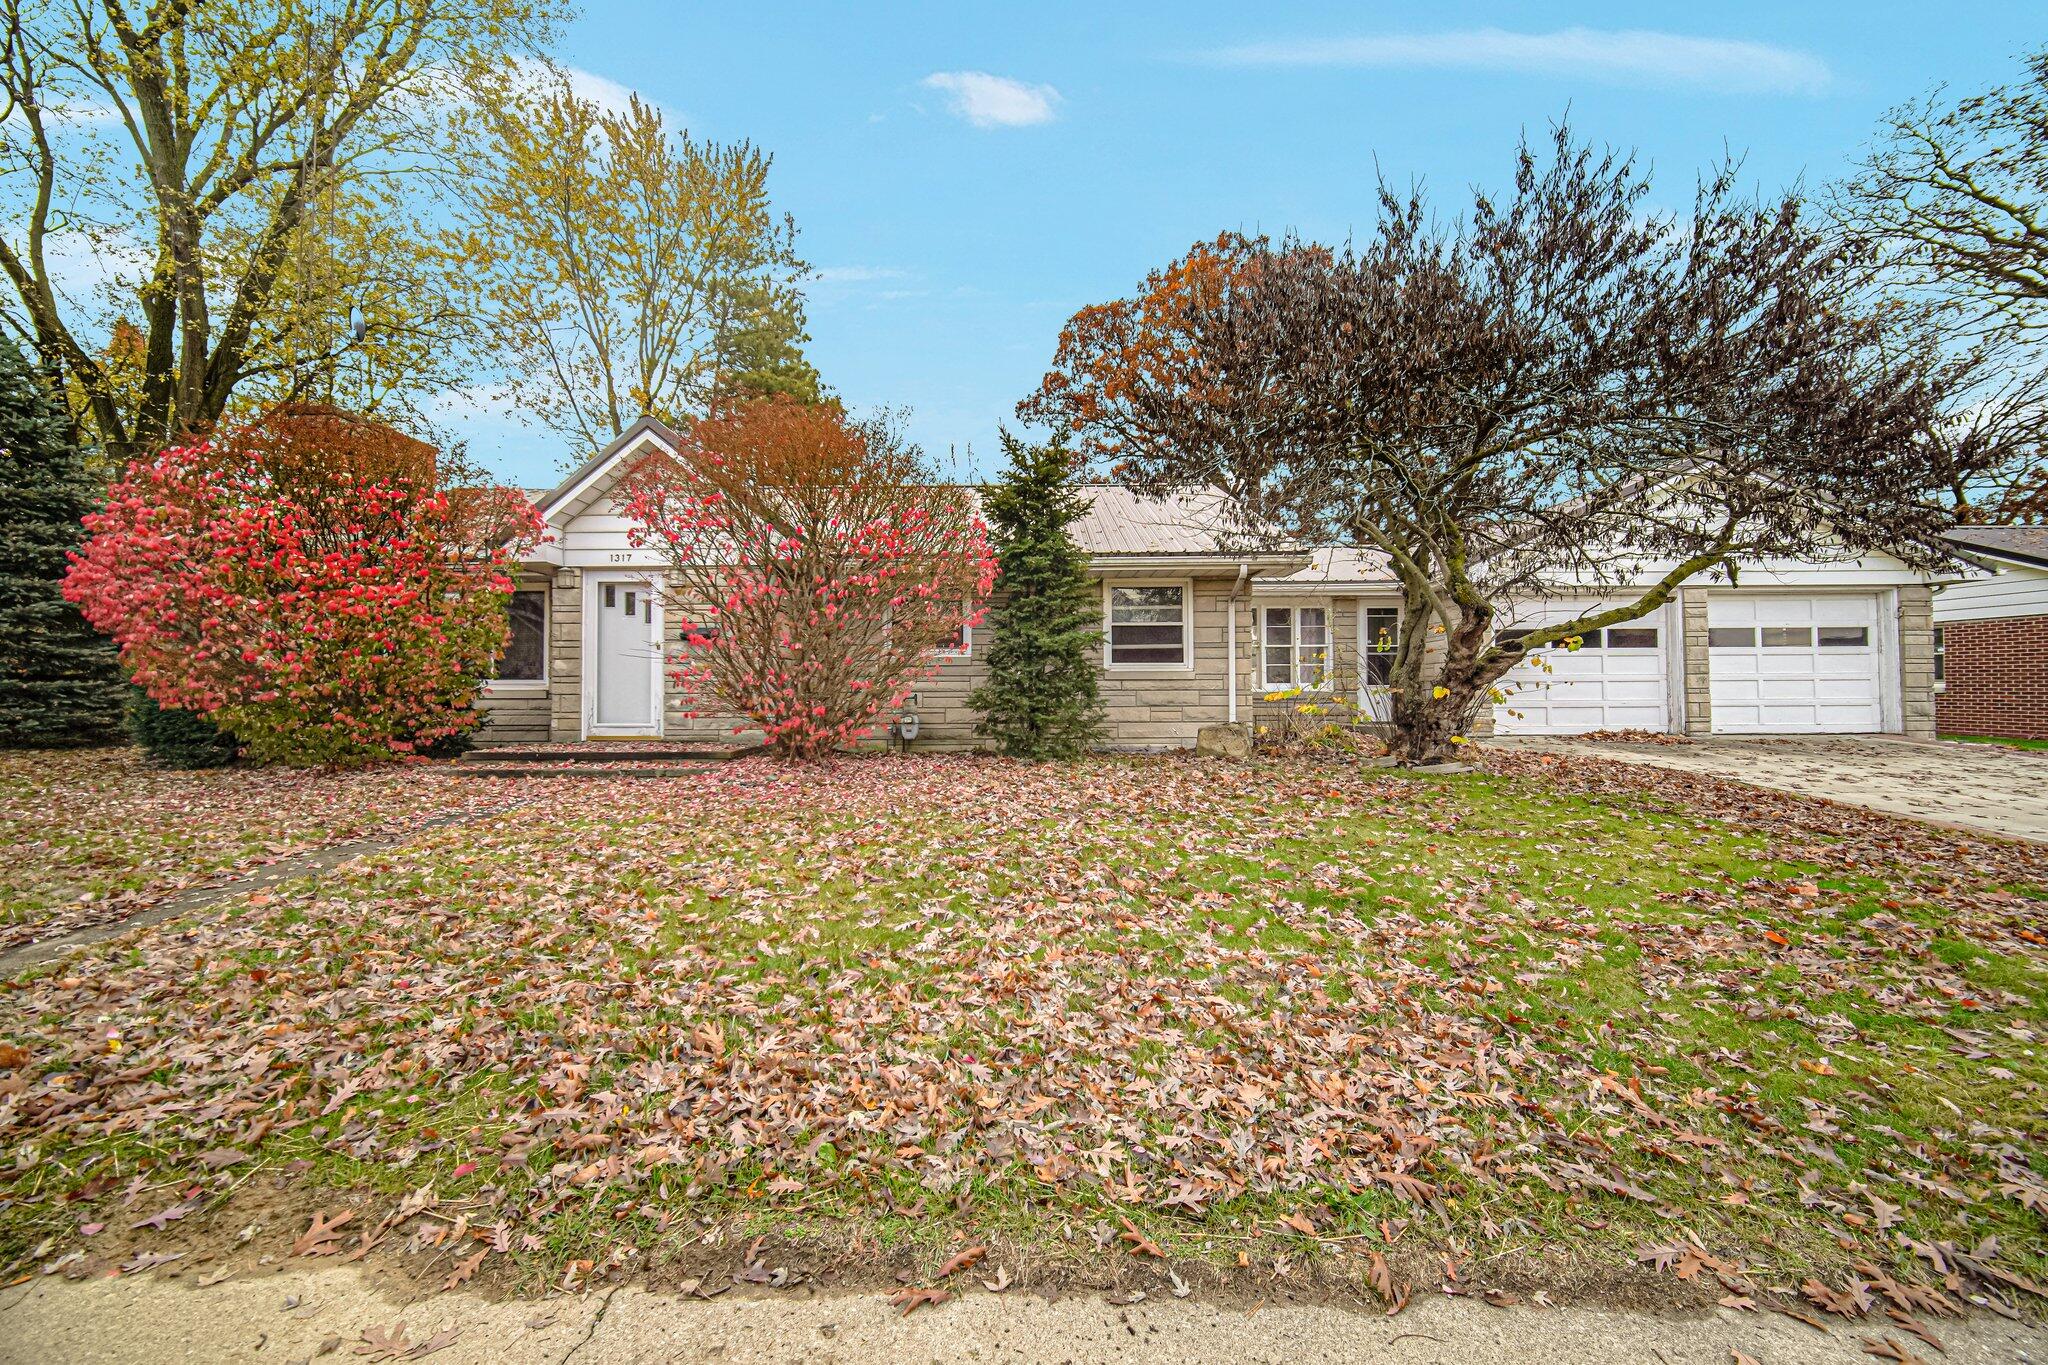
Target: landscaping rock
column 1233, row 742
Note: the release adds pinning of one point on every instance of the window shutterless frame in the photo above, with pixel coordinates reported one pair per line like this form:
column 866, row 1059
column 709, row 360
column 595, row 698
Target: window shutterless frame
column 1148, row 624
column 1294, row 645
column 965, row 648
column 531, row 611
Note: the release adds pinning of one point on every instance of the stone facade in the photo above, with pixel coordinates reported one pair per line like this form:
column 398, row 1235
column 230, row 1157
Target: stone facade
column 1916, row 660
column 1165, row 708
column 1144, row 708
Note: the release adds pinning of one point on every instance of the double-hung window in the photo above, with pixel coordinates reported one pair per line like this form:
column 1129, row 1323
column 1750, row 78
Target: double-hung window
column 1148, row 626
column 1296, row 645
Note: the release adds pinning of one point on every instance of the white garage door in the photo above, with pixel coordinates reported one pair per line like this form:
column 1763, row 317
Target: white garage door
column 1616, row 680
column 1791, row 665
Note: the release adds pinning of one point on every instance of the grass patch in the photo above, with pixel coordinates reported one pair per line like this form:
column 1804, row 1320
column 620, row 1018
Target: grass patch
column 929, row 996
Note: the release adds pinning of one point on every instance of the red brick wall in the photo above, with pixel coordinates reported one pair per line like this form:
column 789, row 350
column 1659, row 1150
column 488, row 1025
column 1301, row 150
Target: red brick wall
column 1996, row 676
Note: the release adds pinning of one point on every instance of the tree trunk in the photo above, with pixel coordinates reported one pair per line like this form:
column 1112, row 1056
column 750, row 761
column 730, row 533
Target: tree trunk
column 1428, row 727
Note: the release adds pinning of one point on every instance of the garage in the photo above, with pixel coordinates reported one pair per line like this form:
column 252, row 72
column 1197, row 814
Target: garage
column 1795, row 664
column 1618, row 679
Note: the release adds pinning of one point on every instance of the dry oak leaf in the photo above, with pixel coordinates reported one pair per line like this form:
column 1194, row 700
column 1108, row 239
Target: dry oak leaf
column 1141, row 1245
column 464, row 1269
column 910, row 1300
column 318, row 1240
column 963, row 1261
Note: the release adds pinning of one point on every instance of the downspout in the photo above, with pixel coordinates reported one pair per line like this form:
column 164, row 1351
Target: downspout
column 1244, row 572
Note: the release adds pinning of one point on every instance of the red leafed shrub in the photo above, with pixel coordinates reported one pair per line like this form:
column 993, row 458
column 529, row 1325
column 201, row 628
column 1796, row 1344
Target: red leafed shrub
column 311, row 585
column 817, row 564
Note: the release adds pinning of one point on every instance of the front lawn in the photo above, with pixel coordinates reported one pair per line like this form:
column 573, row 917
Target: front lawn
column 92, row 836
column 1227, row 1014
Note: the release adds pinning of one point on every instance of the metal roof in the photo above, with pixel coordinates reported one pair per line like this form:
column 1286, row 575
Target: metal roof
column 1334, row 566
column 1120, row 521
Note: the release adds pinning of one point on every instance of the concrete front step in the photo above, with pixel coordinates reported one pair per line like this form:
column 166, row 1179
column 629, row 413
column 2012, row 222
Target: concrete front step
column 518, row 754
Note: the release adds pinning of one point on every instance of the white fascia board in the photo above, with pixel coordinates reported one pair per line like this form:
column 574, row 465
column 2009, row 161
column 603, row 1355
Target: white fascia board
column 1869, row 571
column 567, row 499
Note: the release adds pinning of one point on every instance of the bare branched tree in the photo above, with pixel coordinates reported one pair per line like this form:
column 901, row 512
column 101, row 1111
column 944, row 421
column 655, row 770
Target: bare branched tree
column 1565, row 391
column 1950, row 209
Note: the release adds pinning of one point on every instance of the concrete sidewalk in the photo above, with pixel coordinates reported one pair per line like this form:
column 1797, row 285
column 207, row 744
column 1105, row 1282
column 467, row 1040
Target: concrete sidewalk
column 298, row 1315
column 1987, row 787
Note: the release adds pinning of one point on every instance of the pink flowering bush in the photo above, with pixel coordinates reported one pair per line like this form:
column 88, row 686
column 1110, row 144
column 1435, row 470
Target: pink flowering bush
column 818, row 565
column 310, row 585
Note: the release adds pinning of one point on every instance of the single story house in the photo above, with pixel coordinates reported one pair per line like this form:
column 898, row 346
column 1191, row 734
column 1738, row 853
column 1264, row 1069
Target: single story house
column 1198, row 633
column 1991, row 635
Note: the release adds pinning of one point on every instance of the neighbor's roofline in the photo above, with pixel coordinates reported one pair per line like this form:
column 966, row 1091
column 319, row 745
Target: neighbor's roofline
column 1970, row 549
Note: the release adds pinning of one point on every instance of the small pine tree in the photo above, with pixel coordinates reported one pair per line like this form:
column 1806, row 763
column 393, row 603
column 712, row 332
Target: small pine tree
column 1040, row 700
column 59, row 682
column 760, row 354
column 176, row 739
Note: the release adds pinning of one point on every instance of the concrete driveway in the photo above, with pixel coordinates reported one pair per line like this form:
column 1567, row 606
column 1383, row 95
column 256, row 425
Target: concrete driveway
column 1987, row 787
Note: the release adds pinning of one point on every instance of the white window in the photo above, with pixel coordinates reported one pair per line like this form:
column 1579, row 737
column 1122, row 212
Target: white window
column 1295, row 646
column 1940, row 661
column 960, row 644
column 1148, row 626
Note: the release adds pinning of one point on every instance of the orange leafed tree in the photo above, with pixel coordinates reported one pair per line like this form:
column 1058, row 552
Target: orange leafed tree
column 817, row 564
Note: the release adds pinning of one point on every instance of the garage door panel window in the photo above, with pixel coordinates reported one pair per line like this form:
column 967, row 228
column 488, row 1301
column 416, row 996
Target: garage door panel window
column 1616, row 678
column 1787, row 637
column 1845, row 637
column 1614, row 637
column 1731, row 637
column 1148, row 626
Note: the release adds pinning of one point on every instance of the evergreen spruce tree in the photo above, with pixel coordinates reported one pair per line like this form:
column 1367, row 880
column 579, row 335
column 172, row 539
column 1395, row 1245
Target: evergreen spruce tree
column 176, row 739
column 59, row 679
column 1040, row 699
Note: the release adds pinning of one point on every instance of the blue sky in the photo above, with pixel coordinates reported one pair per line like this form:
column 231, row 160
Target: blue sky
column 957, row 220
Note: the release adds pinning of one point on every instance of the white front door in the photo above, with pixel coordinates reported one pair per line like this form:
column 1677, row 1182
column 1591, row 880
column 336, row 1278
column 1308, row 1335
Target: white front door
column 1617, row 679
column 622, row 647
column 1784, row 664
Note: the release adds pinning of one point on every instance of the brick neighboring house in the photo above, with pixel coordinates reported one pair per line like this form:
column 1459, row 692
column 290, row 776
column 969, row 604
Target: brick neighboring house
column 1199, row 631
column 1991, row 635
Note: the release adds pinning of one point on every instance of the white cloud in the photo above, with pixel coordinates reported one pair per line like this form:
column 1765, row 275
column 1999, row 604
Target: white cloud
column 1629, row 56
column 994, row 101
column 101, row 266
column 71, row 115
column 602, row 91
column 440, row 85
